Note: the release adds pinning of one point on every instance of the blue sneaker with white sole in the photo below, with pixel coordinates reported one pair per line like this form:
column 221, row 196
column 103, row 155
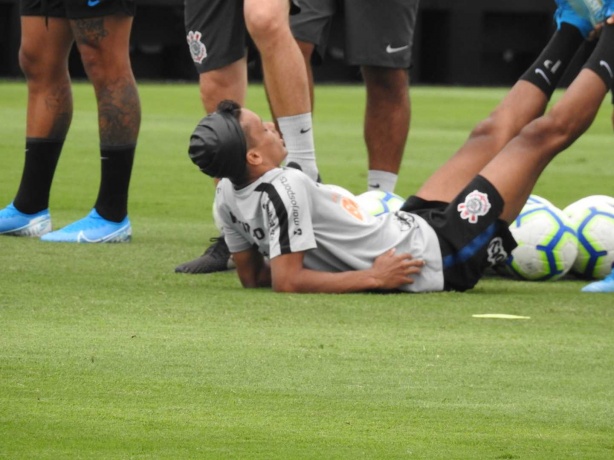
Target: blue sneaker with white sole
column 604, row 285
column 92, row 229
column 566, row 13
column 16, row 223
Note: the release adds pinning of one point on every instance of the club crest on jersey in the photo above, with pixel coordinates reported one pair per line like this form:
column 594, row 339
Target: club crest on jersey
column 198, row 50
column 476, row 204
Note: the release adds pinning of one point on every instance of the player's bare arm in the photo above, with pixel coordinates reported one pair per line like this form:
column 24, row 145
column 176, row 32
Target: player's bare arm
column 389, row 271
column 252, row 268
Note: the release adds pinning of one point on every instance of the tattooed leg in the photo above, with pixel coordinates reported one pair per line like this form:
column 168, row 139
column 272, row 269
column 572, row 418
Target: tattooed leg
column 103, row 44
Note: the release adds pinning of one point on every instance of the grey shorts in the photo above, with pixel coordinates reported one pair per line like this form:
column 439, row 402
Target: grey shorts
column 77, row 9
column 377, row 32
column 216, row 32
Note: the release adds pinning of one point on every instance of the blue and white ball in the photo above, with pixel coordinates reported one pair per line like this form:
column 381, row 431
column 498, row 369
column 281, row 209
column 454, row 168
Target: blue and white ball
column 536, row 199
column 378, row 202
column 547, row 244
column 593, row 221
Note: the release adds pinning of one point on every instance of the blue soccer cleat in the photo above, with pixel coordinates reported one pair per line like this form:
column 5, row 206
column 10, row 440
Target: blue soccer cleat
column 604, row 285
column 16, row 223
column 92, row 229
column 568, row 14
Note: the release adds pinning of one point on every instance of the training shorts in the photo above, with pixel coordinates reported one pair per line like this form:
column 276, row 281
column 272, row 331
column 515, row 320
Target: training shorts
column 77, row 9
column 377, row 33
column 471, row 235
column 216, row 32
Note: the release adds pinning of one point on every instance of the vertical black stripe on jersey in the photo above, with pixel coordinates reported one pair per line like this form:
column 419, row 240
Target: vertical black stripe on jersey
column 282, row 216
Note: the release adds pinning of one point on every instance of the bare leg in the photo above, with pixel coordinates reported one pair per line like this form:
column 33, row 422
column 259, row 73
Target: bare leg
column 307, row 51
column 104, row 47
column 283, row 65
column 387, row 116
column 103, row 44
column 229, row 82
column 45, row 67
column 522, row 104
column 515, row 170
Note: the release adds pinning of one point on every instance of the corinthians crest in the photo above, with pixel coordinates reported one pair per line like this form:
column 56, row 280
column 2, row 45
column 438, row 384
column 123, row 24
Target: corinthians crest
column 476, row 204
column 198, row 50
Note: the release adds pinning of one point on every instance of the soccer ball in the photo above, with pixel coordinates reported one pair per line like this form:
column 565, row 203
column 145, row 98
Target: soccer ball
column 536, row 199
column 547, row 244
column 593, row 220
column 378, row 202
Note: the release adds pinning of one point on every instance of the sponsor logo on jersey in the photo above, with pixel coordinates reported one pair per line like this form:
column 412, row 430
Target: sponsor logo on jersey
column 476, row 204
column 295, row 209
column 198, row 50
column 496, row 252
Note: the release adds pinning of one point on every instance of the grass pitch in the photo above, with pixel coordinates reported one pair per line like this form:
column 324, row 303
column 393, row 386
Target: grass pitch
column 105, row 353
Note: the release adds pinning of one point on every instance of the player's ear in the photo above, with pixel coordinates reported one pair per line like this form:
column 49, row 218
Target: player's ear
column 253, row 157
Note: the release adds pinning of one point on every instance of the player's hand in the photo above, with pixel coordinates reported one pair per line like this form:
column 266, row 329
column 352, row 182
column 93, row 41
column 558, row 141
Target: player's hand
column 393, row 270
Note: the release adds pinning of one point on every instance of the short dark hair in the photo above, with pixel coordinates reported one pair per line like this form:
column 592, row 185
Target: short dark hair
column 218, row 145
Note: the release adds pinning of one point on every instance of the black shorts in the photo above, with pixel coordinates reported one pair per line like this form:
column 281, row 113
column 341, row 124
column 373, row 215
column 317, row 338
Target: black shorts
column 377, row 33
column 216, row 32
column 77, row 9
column 471, row 235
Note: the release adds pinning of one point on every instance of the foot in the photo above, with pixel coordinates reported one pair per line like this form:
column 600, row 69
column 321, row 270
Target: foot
column 17, row 223
column 604, row 285
column 92, row 229
column 215, row 259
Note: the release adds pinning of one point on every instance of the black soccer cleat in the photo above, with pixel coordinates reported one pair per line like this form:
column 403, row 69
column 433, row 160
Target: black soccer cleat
column 215, row 259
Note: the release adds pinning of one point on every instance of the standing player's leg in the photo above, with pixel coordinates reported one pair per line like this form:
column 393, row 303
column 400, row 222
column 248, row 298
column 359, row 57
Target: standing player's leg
column 285, row 76
column 103, row 44
column 379, row 38
column 386, row 125
column 43, row 57
column 216, row 36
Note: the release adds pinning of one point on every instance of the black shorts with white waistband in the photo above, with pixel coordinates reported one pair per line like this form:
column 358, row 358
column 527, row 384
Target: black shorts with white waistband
column 471, row 235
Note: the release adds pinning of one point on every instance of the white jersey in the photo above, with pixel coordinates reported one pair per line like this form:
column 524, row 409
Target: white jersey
column 285, row 211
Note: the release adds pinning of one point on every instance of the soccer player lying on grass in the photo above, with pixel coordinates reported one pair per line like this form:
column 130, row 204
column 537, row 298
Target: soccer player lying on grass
column 288, row 232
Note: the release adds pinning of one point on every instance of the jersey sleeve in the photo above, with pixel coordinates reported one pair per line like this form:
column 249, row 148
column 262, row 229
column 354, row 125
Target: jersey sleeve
column 236, row 241
column 288, row 208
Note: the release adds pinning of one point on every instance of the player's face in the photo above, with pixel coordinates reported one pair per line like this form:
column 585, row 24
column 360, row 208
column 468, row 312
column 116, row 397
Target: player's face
column 264, row 137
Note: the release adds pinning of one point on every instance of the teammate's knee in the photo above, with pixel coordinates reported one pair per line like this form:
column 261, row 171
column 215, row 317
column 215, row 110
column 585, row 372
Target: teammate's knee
column 386, row 80
column 266, row 25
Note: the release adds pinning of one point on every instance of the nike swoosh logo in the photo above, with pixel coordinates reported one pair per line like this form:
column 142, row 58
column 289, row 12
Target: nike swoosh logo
column 81, row 238
column 305, row 130
column 391, row 50
column 374, row 185
column 93, row 2
column 607, row 67
column 543, row 74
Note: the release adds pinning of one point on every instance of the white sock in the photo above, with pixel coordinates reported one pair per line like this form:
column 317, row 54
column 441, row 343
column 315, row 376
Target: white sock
column 297, row 132
column 381, row 180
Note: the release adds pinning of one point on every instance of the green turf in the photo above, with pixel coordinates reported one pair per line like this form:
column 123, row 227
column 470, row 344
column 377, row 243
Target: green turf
column 105, row 353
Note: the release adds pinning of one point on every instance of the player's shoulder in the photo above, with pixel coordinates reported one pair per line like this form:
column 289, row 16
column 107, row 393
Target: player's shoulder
column 285, row 175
